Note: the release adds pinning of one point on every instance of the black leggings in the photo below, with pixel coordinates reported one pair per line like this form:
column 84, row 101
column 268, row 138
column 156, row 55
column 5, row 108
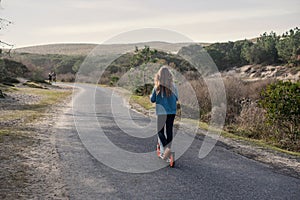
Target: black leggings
column 167, row 120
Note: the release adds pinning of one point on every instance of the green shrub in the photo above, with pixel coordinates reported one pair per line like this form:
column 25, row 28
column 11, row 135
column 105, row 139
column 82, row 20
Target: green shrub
column 10, row 69
column 143, row 89
column 113, row 80
column 281, row 101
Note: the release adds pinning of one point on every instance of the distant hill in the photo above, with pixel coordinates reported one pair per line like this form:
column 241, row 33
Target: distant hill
column 84, row 49
column 62, row 49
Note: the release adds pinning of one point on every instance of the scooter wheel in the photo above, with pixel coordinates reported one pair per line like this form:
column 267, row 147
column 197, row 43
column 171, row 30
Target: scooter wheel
column 172, row 160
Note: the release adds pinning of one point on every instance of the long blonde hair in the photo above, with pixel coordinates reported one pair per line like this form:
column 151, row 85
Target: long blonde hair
column 163, row 81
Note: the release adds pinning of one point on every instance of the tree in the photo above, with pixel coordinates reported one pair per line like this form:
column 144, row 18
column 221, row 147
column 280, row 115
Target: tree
column 229, row 54
column 254, row 54
column 245, row 53
column 289, row 46
column 4, row 23
column 268, row 43
column 141, row 58
column 236, row 53
column 263, row 51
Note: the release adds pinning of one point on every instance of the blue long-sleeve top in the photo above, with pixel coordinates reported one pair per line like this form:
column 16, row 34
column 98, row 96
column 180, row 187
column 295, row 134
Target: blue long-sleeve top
column 165, row 105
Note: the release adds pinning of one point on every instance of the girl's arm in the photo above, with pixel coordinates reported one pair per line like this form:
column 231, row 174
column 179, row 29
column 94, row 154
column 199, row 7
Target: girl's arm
column 176, row 92
column 153, row 96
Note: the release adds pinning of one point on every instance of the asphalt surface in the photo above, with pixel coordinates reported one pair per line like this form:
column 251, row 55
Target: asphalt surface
column 106, row 156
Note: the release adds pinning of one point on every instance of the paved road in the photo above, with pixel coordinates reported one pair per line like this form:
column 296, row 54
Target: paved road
column 92, row 171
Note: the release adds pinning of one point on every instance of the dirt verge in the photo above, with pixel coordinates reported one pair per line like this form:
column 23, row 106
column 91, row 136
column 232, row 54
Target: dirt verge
column 30, row 167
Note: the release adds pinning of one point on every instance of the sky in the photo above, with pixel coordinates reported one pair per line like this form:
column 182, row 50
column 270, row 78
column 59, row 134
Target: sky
column 38, row 22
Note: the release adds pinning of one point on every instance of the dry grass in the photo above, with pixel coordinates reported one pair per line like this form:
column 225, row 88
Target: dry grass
column 144, row 101
column 22, row 113
column 252, row 122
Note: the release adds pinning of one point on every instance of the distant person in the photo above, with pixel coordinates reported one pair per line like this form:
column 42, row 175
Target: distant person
column 165, row 95
column 50, row 77
column 54, row 77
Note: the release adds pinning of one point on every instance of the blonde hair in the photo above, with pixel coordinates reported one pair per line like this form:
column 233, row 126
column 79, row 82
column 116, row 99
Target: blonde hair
column 163, row 81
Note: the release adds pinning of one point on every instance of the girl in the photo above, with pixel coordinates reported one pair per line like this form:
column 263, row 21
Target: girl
column 165, row 95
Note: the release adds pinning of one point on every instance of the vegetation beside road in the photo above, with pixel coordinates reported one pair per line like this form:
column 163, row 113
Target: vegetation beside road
column 25, row 152
column 142, row 101
column 23, row 106
column 28, row 111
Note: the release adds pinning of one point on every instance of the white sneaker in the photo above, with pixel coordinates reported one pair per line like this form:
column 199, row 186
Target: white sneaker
column 167, row 153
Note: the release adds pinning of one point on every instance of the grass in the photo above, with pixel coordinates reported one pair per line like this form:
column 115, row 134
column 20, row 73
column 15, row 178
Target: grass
column 34, row 85
column 143, row 101
column 18, row 135
column 3, row 133
column 32, row 112
column 9, row 115
column 6, row 88
column 14, row 139
column 260, row 143
column 256, row 142
column 50, row 97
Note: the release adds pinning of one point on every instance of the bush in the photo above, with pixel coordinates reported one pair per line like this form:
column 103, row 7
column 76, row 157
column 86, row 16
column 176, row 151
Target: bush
column 37, row 75
column 237, row 91
column 113, row 80
column 10, row 80
column 188, row 103
column 69, row 77
column 144, row 90
column 252, row 122
column 10, row 69
column 281, row 101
